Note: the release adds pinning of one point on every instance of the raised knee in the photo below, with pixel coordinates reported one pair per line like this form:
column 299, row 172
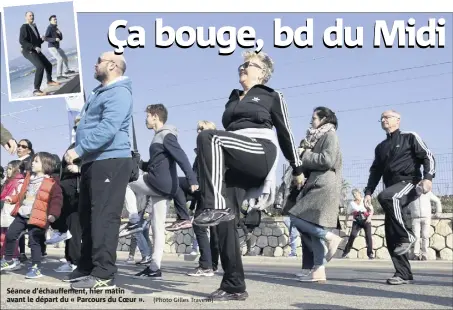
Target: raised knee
column 205, row 136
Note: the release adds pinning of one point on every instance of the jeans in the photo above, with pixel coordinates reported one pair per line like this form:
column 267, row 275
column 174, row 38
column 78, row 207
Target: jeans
column 292, row 234
column 143, row 241
column 62, row 59
column 157, row 206
column 317, row 236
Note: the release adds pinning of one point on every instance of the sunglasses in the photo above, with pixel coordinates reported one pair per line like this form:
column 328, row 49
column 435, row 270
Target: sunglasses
column 100, row 60
column 247, row 64
column 22, row 146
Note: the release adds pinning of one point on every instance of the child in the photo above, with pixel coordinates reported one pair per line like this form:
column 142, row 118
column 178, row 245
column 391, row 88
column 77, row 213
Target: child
column 38, row 203
column 11, row 187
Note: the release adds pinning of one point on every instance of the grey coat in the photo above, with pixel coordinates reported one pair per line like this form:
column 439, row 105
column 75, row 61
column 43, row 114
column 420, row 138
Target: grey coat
column 319, row 199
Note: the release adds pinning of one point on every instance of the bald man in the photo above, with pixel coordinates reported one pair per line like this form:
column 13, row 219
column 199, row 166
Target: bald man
column 398, row 160
column 102, row 143
column 30, row 41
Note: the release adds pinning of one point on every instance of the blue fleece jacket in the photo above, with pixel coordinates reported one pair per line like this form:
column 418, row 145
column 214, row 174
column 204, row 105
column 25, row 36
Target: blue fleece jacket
column 103, row 130
column 164, row 153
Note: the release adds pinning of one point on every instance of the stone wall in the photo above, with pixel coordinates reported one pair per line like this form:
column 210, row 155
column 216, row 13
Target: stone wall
column 271, row 239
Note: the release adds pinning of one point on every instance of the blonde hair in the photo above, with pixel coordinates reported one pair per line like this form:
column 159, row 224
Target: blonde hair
column 264, row 59
column 356, row 190
column 203, row 125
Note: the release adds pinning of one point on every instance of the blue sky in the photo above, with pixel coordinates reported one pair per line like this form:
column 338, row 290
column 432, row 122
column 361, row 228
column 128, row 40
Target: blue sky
column 15, row 17
column 179, row 77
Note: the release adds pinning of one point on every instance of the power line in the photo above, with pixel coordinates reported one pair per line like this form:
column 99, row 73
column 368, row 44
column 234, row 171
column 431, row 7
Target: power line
column 344, row 88
column 382, row 106
column 325, row 81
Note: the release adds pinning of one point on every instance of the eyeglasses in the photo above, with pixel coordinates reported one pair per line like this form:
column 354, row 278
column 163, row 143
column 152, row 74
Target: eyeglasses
column 386, row 117
column 247, row 64
column 22, row 146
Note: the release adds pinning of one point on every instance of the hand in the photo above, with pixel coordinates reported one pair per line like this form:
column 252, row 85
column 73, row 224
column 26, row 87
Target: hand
column 298, row 180
column 368, row 220
column 70, row 156
column 194, row 188
column 8, row 199
column 427, row 185
column 43, row 38
column 38, row 50
column 367, row 201
column 300, row 150
column 73, row 168
column 51, row 218
column 11, row 146
column 57, row 39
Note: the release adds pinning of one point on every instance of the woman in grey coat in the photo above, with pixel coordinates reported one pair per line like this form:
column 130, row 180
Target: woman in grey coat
column 316, row 207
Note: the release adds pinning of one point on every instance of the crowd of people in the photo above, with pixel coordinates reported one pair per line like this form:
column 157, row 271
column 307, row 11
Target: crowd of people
column 82, row 197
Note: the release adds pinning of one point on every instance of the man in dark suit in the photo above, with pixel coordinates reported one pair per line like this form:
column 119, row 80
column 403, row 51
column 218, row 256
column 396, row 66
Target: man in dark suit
column 30, row 41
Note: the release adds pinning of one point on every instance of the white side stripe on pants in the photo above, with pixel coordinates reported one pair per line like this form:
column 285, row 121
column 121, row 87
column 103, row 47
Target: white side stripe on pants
column 217, row 143
column 397, row 209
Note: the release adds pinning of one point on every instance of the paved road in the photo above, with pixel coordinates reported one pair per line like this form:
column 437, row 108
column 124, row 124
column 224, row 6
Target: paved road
column 352, row 284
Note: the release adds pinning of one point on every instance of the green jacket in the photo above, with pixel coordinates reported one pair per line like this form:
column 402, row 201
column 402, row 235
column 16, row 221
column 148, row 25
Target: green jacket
column 5, row 135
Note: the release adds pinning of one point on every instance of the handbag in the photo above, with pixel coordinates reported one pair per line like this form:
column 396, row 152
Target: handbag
column 135, row 173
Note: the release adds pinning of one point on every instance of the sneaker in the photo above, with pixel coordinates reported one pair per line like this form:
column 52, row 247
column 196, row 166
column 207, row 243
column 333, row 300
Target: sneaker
column 75, row 276
column 292, row 255
column 23, row 258
column 194, row 252
column 131, row 228
column 423, row 257
column 70, row 72
column 130, row 260
column 371, row 256
column 212, row 217
column 8, row 264
column 147, row 273
column 93, row 283
column 145, row 261
column 180, row 225
column 398, row 281
column 34, row 272
column 221, row 295
column 317, row 274
column 403, row 248
column 200, row 272
column 53, row 83
column 214, row 269
column 66, row 267
column 58, row 237
column 38, row 92
column 62, row 78
column 304, row 273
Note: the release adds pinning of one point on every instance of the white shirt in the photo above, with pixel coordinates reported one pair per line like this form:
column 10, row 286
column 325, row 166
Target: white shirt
column 354, row 207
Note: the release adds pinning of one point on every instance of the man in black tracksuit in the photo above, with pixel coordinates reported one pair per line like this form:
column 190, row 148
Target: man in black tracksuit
column 30, row 41
column 398, row 160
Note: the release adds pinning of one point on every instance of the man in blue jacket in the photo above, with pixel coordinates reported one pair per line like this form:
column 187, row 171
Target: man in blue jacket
column 160, row 182
column 54, row 36
column 102, row 143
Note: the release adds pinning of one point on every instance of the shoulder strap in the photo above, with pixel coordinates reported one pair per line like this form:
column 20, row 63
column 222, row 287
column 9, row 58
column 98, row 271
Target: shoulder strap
column 134, row 138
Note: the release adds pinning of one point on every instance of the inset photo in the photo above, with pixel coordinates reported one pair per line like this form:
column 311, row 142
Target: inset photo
column 41, row 50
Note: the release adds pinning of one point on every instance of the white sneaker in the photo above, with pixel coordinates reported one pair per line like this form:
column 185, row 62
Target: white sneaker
column 59, row 237
column 193, row 252
column 66, row 267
